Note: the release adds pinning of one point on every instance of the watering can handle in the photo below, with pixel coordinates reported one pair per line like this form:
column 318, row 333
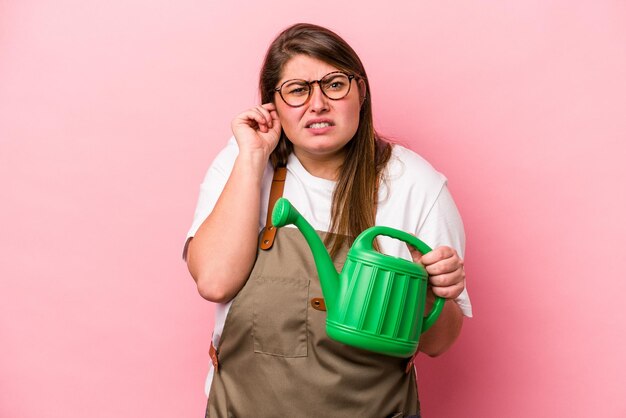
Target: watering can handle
column 366, row 239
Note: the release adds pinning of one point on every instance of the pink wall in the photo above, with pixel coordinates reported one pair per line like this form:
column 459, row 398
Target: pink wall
column 110, row 113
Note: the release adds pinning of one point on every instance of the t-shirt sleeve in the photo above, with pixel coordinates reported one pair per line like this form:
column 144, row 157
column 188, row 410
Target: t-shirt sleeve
column 212, row 187
column 443, row 226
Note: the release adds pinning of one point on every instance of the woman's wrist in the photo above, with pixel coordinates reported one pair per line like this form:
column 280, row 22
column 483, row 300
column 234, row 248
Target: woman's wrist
column 252, row 163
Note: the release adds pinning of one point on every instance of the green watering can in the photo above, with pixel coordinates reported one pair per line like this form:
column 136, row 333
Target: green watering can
column 377, row 302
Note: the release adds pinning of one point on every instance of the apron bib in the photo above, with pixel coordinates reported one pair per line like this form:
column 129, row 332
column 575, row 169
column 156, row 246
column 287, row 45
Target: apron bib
column 275, row 358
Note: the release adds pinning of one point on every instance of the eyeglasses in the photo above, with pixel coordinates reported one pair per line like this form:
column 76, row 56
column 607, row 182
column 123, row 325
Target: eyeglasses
column 335, row 86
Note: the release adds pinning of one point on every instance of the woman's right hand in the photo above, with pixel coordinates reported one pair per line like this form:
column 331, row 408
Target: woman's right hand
column 257, row 129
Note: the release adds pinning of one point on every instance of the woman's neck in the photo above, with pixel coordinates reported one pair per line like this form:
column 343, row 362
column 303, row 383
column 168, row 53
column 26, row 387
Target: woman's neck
column 322, row 166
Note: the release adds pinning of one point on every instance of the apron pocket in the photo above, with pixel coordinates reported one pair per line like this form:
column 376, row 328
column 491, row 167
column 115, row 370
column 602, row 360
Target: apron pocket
column 280, row 316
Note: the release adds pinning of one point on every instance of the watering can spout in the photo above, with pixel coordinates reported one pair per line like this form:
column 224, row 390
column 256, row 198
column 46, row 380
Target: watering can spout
column 285, row 214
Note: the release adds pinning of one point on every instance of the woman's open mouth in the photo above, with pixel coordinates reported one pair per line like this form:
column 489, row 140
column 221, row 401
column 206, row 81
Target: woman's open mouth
column 319, row 126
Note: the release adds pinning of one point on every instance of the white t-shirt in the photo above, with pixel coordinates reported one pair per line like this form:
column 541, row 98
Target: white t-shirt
column 413, row 198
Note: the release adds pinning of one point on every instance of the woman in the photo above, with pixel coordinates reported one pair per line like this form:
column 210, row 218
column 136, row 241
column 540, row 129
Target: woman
column 313, row 135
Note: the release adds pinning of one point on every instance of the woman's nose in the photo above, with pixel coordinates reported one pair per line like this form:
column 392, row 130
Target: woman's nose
column 318, row 101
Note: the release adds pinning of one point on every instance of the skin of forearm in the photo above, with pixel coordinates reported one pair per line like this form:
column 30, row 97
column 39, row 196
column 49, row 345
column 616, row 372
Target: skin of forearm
column 223, row 250
column 440, row 337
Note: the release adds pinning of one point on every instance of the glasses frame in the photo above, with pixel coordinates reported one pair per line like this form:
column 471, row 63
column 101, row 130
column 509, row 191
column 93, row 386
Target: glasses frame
column 310, row 83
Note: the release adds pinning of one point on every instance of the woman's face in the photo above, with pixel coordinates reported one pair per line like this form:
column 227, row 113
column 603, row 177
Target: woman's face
column 321, row 127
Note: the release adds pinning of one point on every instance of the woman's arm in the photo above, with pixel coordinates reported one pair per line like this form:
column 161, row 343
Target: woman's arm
column 223, row 250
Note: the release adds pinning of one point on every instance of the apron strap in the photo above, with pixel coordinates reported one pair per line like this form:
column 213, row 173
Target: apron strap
column 213, row 355
column 278, row 184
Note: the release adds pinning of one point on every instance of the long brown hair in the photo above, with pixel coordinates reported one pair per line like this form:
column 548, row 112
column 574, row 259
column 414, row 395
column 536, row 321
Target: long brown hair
column 355, row 197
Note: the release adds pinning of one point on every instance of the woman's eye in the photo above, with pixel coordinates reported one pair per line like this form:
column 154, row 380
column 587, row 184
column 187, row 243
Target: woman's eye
column 336, row 85
column 298, row 90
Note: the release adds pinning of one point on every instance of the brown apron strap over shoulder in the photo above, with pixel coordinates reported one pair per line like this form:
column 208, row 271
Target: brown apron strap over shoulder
column 213, row 355
column 276, row 191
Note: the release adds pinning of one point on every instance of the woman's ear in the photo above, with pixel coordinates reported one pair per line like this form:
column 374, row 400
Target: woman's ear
column 362, row 91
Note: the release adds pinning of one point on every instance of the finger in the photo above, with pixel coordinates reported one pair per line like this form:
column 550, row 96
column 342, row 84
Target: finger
column 274, row 116
column 251, row 118
column 276, row 125
column 415, row 253
column 265, row 113
column 439, row 253
column 254, row 119
column 261, row 120
column 449, row 292
column 447, row 279
column 269, row 106
column 447, row 265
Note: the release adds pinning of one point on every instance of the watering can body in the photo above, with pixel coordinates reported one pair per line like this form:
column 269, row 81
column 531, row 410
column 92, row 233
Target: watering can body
column 377, row 302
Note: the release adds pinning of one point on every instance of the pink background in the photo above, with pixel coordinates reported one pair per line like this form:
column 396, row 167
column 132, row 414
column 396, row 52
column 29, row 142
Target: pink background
column 110, row 113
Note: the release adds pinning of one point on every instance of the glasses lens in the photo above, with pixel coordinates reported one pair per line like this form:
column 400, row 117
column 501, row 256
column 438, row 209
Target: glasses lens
column 295, row 92
column 336, row 85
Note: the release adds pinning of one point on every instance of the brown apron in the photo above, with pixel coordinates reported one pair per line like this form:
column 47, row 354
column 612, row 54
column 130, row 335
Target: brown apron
column 275, row 360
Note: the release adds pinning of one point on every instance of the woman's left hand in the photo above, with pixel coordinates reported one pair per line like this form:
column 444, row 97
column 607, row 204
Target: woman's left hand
column 445, row 270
